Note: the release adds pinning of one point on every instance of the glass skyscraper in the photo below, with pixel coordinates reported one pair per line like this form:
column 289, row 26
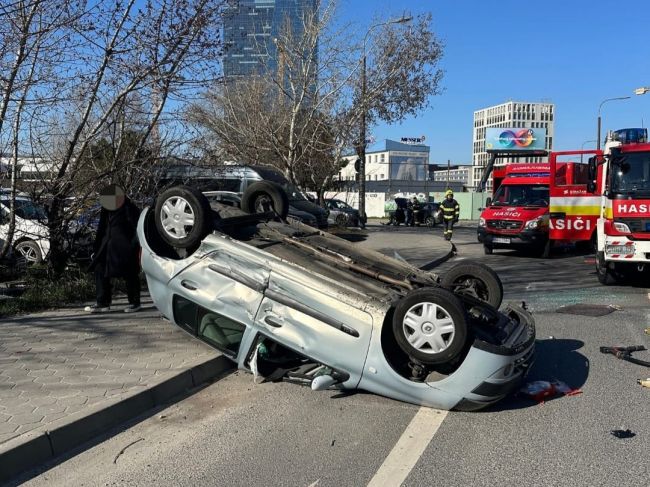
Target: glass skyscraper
column 249, row 29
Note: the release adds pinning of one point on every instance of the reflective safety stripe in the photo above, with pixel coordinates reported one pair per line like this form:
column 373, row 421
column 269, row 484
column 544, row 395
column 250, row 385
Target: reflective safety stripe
column 575, row 210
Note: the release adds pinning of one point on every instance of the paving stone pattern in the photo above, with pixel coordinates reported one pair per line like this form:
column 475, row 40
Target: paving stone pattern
column 57, row 363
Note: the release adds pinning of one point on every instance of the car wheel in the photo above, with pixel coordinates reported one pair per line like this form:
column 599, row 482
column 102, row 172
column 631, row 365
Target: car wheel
column 430, row 325
column 183, row 216
column 545, row 252
column 30, row 251
column 264, row 196
column 605, row 275
column 341, row 220
column 430, row 222
column 476, row 280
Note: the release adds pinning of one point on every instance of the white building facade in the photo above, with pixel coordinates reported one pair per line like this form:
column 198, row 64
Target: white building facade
column 510, row 114
column 457, row 174
column 391, row 160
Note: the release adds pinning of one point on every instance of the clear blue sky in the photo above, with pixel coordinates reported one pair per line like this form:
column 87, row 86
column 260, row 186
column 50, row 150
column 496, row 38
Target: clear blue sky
column 574, row 53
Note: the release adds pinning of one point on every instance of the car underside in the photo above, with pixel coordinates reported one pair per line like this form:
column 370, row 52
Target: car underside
column 323, row 312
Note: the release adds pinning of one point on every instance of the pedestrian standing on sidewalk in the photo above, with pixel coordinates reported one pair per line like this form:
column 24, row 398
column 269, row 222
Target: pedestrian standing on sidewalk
column 450, row 212
column 116, row 249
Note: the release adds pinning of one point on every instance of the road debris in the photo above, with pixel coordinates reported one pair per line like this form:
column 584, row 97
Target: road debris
column 644, row 382
column 625, row 353
column 622, row 434
column 647, row 331
column 124, row 449
column 541, row 390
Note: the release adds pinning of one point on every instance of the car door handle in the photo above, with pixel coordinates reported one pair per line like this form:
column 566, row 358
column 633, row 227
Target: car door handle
column 189, row 285
column 271, row 321
column 558, row 214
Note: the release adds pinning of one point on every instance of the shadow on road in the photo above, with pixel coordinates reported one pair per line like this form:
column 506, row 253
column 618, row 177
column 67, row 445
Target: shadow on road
column 555, row 360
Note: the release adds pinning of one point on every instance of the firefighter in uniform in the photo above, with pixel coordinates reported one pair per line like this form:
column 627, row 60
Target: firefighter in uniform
column 450, row 212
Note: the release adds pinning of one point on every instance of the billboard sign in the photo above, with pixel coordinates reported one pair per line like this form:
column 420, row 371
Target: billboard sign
column 413, row 140
column 515, row 139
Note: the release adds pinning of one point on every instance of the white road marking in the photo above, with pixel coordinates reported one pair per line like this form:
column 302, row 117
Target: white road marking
column 648, row 295
column 409, row 448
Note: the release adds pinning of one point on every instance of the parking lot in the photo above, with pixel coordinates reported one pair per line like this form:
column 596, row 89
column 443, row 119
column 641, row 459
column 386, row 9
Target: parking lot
column 238, row 432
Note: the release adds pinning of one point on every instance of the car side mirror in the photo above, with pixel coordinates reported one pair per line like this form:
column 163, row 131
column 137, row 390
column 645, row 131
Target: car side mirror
column 592, row 171
column 488, row 202
column 323, row 382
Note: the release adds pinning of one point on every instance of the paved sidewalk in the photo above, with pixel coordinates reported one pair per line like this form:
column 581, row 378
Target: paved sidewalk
column 66, row 376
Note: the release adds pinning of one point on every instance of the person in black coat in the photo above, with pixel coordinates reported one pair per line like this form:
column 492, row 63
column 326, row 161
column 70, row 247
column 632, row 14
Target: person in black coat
column 116, row 249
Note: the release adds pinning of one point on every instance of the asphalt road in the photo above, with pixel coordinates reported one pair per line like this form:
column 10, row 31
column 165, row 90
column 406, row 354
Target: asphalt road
column 235, row 432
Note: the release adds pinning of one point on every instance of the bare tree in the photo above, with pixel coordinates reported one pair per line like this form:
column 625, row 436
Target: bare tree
column 120, row 71
column 303, row 117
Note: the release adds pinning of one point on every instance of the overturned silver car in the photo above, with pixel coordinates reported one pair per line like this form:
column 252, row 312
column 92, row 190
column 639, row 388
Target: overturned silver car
column 288, row 302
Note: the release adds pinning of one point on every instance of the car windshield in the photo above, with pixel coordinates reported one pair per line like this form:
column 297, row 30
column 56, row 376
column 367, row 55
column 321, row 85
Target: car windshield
column 521, row 195
column 340, row 205
column 26, row 209
column 631, row 173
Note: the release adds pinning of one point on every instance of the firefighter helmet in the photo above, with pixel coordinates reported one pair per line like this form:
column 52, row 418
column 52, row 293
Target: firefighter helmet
column 449, row 192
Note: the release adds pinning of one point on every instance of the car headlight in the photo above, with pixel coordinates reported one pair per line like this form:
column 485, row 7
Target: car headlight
column 533, row 224
column 481, row 222
column 621, row 227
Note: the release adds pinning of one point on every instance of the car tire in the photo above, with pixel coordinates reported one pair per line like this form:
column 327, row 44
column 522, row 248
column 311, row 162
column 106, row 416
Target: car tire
column 430, row 222
column 30, row 251
column 430, row 326
column 487, row 250
column 265, row 196
column 605, row 275
column 341, row 220
column 476, row 280
column 183, row 216
column 545, row 252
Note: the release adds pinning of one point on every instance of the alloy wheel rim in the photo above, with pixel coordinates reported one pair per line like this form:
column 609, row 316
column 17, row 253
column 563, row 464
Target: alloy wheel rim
column 429, row 328
column 28, row 253
column 177, row 217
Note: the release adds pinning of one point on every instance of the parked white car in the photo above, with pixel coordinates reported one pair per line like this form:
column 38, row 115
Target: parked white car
column 30, row 239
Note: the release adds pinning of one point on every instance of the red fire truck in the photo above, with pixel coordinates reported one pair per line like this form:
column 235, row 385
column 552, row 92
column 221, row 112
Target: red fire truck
column 528, row 209
column 618, row 187
column 517, row 215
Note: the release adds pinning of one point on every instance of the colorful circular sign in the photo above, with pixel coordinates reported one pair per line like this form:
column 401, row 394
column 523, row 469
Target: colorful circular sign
column 521, row 138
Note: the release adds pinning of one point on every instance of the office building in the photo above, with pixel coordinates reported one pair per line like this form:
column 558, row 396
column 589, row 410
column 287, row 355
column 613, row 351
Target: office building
column 456, row 173
column 510, row 114
column 250, row 27
column 391, row 160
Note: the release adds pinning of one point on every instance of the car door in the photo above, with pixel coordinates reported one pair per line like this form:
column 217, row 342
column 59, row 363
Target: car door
column 218, row 296
column 307, row 313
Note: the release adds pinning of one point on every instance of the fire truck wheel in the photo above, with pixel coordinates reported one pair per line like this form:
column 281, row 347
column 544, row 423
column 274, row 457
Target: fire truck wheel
column 546, row 250
column 476, row 280
column 488, row 250
column 605, row 275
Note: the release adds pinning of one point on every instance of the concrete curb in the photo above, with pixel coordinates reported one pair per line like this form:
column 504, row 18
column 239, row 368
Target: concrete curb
column 38, row 446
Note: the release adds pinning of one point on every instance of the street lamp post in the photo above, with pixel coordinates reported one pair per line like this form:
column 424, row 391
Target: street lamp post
column 599, row 119
column 362, row 136
column 582, row 147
